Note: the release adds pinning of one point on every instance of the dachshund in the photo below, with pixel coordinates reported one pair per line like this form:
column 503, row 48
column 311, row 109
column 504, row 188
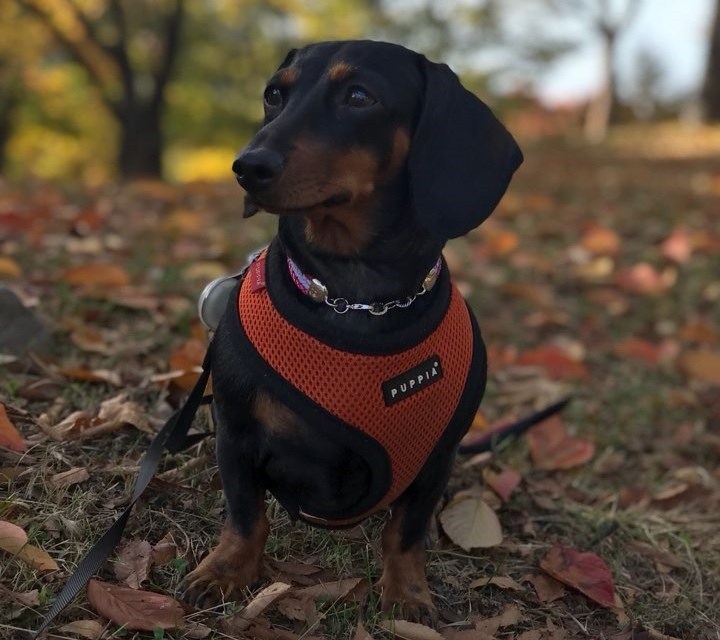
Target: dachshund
column 347, row 367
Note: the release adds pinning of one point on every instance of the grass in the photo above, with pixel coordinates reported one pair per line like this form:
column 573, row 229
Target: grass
column 650, row 423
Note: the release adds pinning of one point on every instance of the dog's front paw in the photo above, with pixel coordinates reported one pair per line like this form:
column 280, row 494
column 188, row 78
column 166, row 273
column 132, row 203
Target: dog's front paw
column 405, row 599
column 234, row 565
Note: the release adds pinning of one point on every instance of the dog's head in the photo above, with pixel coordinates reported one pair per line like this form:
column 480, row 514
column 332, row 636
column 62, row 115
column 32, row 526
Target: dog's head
column 354, row 132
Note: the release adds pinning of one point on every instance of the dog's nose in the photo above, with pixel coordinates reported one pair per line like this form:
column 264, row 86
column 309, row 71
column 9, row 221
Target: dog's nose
column 257, row 168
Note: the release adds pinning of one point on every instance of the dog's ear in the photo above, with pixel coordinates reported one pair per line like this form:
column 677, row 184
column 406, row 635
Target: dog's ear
column 288, row 59
column 461, row 157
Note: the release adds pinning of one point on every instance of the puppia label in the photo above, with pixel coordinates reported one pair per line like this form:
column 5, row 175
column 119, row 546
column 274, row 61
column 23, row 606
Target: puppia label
column 412, row 381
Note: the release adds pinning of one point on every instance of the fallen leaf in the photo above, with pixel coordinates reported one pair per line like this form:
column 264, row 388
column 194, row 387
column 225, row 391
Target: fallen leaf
column 677, row 246
column 91, row 375
column 302, row 609
column 9, row 268
column 187, row 360
column 69, row 477
column 555, row 361
column 113, row 414
column 96, row 275
column 530, row 635
column 164, row 551
column 409, row 630
column 361, row 632
column 470, row 523
column 14, row 540
column 133, row 563
column 90, row 629
column 638, row 349
column 644, row 278
column 268, row 595
column 502, row 483
column 94, row 341
column 10, row 437
column 547, row 589
column 349, row 588
column 508, row 617
column 600, row 240
column 552, row 448
column 133, row 609
column 583, row 571
column 702, row 365
column 504, row 582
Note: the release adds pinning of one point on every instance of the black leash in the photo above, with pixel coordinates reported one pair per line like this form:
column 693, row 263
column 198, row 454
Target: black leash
column 490, row 440
column 173, row 437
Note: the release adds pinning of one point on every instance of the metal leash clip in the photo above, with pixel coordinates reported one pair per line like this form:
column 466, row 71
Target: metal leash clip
column 213, row 299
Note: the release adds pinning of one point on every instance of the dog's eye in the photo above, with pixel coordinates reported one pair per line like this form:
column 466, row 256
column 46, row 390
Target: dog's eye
column 273, row 97
column 359, row 97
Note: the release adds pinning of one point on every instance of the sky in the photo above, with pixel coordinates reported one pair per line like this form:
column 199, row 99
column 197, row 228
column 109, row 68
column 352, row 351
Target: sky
column 675, row 32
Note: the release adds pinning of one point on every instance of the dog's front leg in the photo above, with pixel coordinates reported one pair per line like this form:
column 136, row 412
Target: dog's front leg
column 405, row 591
column 236, row 562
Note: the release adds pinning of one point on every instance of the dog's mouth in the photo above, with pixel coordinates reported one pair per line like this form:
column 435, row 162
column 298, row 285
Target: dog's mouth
column 253, row 205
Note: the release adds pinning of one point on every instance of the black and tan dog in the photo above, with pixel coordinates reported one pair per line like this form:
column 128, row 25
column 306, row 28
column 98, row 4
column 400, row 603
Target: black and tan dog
column 347, row 367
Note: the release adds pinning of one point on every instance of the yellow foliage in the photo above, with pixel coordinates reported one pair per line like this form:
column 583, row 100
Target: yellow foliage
column 205, row 163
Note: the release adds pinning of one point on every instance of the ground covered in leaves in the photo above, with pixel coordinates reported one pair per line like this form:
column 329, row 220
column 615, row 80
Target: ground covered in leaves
column 599, row 276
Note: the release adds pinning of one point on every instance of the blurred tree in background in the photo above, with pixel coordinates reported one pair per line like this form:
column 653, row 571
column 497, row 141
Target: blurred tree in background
column 94, row 89
column 711, row 86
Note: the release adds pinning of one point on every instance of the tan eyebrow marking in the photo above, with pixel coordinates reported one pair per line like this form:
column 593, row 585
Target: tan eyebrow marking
column 288, row 76
column 340, row 71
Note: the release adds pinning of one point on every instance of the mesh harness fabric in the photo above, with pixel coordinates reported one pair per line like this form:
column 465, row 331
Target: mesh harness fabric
column 391, row 408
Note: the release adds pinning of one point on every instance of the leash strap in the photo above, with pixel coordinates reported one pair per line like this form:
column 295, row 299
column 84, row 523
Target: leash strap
column 173, row 437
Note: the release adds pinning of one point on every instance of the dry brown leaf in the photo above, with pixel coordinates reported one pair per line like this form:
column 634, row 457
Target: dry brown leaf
column 112, row 414
column 90, row 629
column 410, row 630
column 104, row 376
column 502, row 483
column 103, row 275
column 10, row 437
column 296, row 568
column 508, row 617
column 9, row 268
column 504, row 582
column 702, row 365
column 470, row 523
column 349, row 588
column 187, row 359
column 302, row 609
column 530, row 635
column 133, row 563
column 70, row 477
column 138, row 610
column 256, row 606
column 13, row 539
column 551, row 447
column 94, row 341
column 600, row 240
column 361, row 632
column 546, row 588
column 164, row 551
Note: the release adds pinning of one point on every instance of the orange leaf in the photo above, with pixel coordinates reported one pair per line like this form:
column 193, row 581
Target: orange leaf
column 9, row 268
column 503, row 483
column 96, row 275
column 677, row 246
column 551, row 447
column 583, row 571
column 600, row 240
column 701, row 364
column 644, row 278
column 555, row 361
column 638, row 349
column 14, row 540
column 188, row 359
column 10, row 437
column 139, row 610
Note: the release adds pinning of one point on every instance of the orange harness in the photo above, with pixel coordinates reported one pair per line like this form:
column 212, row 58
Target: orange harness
column 402, row 401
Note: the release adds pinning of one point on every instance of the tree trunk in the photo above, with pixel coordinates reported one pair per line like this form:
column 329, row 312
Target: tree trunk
column 602, row 109
column 141, row 142
column 711, row 87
